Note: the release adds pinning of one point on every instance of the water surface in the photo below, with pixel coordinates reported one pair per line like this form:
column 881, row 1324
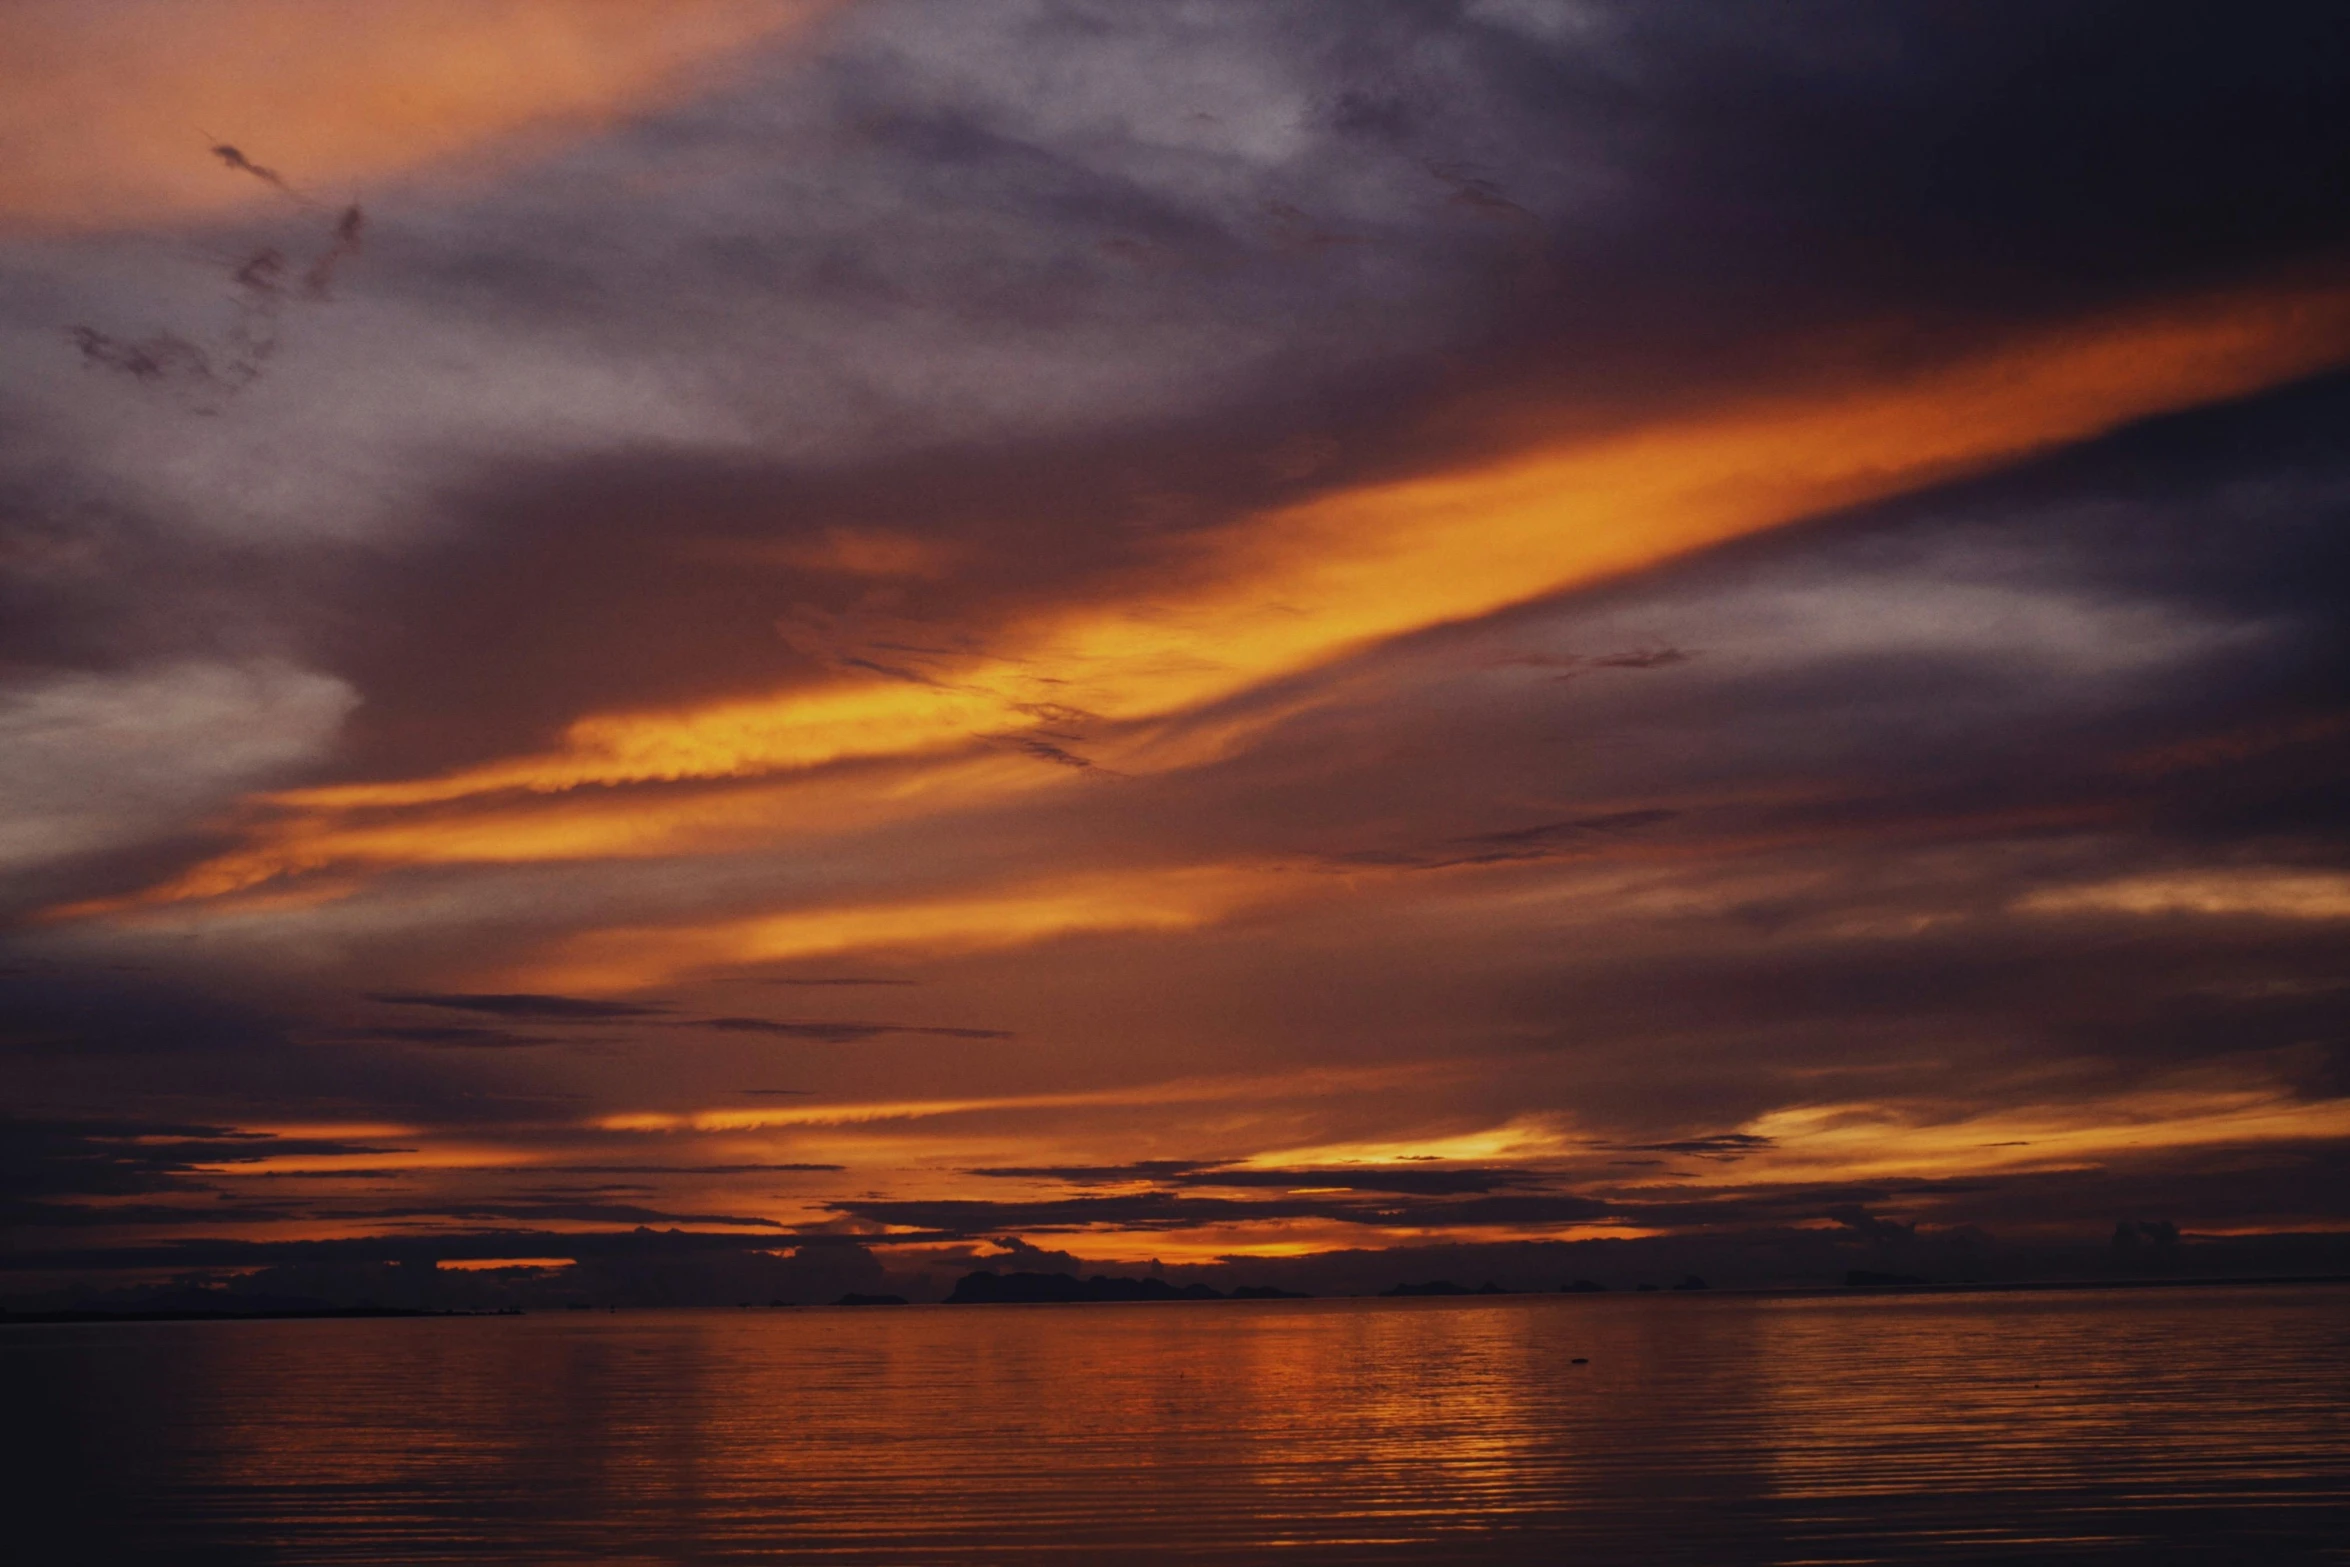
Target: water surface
column 2172, row 1425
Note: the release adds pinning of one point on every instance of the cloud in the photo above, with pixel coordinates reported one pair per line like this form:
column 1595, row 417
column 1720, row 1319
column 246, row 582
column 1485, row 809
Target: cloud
column 451, row 1035
column 1440, row 1180
column 626, row 959
column 1722, row 1145
column 90, row 761
column 642, row 1244
column 318, row 278
column 963, row 1218
column 116, row 1158
column 204, row 376
column 839, row 1033
column 682, row 1169
column 1871, row 1227
column 574, row 1212
column 2220, row 892
column 1544, row 840
column 835, row 979
column 1431, row 1181
column 1276, row 595
column 1649, row 658
column 1154, row 1171
column 235, row 159
column 1697, row 633
column 536, row 1008
column 366, row 92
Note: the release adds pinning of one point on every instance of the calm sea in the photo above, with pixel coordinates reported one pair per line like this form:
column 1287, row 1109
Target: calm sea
column 2146, row 1426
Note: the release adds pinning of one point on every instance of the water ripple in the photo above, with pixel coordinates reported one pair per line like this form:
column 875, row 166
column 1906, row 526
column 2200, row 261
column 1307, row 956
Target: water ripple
column 2208, row 1425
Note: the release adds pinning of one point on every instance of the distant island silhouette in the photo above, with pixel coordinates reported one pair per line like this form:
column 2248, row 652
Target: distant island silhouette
column 852, row 1298
column 263, row 1314
column 1059, row 1289
column 1444, row 1287
column 1869, row 1278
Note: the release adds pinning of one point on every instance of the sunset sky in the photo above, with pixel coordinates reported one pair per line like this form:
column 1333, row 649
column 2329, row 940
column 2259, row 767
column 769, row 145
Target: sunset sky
column 901, row 637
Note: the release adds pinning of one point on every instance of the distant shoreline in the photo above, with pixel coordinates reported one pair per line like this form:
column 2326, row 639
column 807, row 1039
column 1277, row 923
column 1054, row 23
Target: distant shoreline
column 1929, row 1287
column 1829, row 1291
column 305, row 1314
column 1774, row 1291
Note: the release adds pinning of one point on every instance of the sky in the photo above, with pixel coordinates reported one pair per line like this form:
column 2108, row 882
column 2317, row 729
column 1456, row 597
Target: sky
column 759, row 648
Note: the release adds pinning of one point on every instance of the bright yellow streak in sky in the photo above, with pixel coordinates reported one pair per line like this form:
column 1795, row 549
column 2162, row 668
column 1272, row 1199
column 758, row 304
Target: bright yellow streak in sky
column 1306, row 1083
column 2264, row 892
column 1288, row 591
column 592, row 824
column 1285, row 592
column 1870, row 1142
column 1526, row 1137
column 634, row 958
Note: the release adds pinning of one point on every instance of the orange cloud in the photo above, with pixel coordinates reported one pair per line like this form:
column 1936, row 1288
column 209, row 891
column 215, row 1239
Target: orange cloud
column 708, row 819
column 1285, row 592
column 1309, row 1083
column 2259, row 891
column 108, row 110
column 632, row 959
column 1883, row 1142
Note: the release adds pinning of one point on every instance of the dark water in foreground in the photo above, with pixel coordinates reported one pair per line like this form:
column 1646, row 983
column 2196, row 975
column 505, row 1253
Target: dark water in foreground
column 2190, row 1425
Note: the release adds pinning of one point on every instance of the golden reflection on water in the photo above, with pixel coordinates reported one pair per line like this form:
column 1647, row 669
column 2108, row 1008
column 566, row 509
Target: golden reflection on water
column 2138, row 1426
